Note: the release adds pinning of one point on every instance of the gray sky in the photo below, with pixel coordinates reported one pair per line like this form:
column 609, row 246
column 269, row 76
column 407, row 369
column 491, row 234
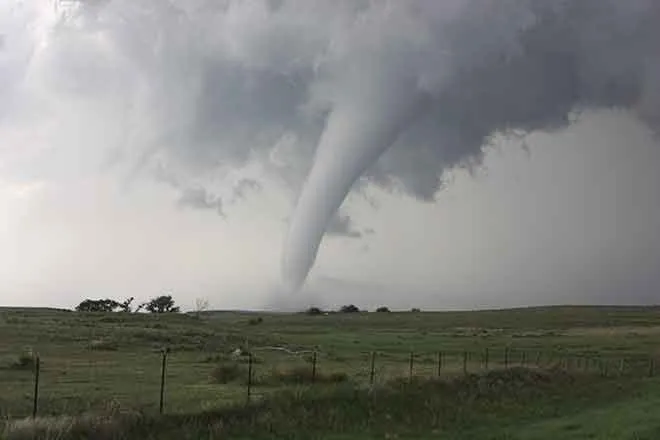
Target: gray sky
column 122, row 140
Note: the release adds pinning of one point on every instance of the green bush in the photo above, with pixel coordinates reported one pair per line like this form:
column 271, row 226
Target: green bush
column 227, row 372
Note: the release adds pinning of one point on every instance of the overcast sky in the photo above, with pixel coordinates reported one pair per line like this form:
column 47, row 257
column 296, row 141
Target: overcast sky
column 575, row 218
column 93, row 205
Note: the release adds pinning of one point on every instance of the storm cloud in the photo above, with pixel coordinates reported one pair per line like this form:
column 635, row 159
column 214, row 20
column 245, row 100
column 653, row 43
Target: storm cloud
column 220, row 98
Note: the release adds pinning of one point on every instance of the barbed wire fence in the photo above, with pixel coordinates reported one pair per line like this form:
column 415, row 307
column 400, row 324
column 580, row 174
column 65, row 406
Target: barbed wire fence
column 311, row 367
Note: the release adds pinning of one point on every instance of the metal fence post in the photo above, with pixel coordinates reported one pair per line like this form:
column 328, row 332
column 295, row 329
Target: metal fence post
column 506, row 358
column 410, row 367
column 35, row 402
column 486, row 355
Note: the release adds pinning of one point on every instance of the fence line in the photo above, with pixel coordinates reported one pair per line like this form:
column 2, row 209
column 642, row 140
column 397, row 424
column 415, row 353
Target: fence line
column 584, row 364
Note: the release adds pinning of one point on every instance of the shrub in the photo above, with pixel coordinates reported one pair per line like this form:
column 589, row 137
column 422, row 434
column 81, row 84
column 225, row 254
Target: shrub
column 314, row 311
column 226, row 372
column 105, row 305
column 160, row 304
column 97, row 305
column 351, row 308
column 415, row 310
column 256, row 321
column 383, row 309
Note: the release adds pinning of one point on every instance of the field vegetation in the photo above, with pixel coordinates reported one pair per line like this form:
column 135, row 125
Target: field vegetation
column 536, row 373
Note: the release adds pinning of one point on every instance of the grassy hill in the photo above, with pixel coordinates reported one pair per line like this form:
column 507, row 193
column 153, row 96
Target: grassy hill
column 596, row 363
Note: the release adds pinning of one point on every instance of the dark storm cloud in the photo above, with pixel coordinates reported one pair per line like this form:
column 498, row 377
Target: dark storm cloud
column 314, row 93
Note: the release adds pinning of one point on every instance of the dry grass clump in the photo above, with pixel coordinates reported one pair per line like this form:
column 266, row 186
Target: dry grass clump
column 103, row 345
column 98, row 427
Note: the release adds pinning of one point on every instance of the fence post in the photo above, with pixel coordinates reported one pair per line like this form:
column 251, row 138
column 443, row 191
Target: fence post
column 523, row 358
column 314, row 367
column 373, row 368
column 538, row 359
column 486, row 358
column 621, row 366
column 162, row 380
column 35, row 402
column 249, row 378
column 465, row 359
column 506, row 358
column 651, row 367
column 439, row 363
column 586, row 364
column 410, row 367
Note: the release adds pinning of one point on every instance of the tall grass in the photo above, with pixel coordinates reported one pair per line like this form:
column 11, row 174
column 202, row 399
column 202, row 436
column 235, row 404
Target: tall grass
column 396, row 407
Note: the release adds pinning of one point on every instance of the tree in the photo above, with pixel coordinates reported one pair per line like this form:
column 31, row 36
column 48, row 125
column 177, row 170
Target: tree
column 314, row 311
column 383, row 309
column 415, row 310
column 161, row 304
column 98, row 305
column 126, row 305
column 201, row 305
column 351, row 308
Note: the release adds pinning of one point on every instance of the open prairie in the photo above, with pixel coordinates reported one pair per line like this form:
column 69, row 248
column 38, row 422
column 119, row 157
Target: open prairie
column 556, row 372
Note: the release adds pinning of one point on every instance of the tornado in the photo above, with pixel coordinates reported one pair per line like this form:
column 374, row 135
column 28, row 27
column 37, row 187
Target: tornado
column 359, row 130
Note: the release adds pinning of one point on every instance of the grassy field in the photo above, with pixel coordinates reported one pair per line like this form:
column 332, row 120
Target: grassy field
column 574, row 372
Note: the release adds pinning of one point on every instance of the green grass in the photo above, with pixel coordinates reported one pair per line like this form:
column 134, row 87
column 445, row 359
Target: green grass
column 104, row 363
column 495, row 405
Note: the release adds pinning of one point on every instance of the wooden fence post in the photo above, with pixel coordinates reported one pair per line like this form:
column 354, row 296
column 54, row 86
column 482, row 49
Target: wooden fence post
column 249, row 378
column 651, row 367
column 439, row 363
column 37, row 370
column 314, row 367
column 161, row 402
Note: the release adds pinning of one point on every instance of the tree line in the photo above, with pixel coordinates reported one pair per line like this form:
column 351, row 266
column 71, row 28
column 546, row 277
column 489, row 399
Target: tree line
column 159, row 304
column 352, row 308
